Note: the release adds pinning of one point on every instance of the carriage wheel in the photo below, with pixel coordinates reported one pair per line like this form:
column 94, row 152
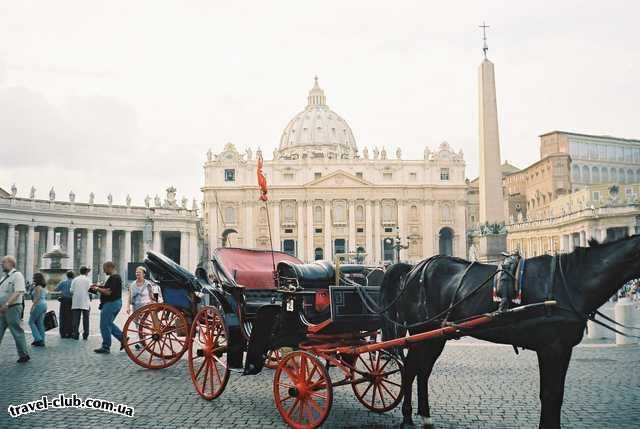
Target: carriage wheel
column 273, row 358
column 207, row 353
column 302, row 390
column 154, row 336
column 377, row 383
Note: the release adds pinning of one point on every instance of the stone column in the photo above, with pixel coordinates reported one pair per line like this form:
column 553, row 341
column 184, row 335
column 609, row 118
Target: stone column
column 50, row 236
column 402, row 227
column 71, row 247
column 184, row 249
column 275, row 227
column 30, row 252
column 108, row 246
column 11, row 240
column 249, row 226
column 351, row 246
column 127, row 252
column 460, row 213
column 377, row 225
column 310, row 232
column 427, row 230
column 212, row 227
column 583, row 239
column 194, row 256
column 300, row 247
column 89, row 251
column 328, row 248
column 157, row 241
column 368, row 229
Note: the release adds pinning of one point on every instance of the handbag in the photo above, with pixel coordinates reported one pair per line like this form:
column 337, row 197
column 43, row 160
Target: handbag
column 50, row 320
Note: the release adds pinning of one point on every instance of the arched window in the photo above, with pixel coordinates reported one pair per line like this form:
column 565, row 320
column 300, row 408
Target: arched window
column 614, row 175
column 605, row 175
column 289, row 214
column 586, row 176
column 340, row 211
column 360, row 253
column 445, row 238
column 262, row 216
column 359, row 213
column 318, row 254
column 289, row 247
column 631, row 177
column 317, row 215
column 575, row 173
column 387, row 249
column 339, row 246
column 387, row 213
column 445, row 213
column 622, row 177
column 595, row 175
column 229, row 215
column 413, row 212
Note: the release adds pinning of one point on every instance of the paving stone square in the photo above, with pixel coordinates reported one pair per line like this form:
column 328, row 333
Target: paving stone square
column 475, row 385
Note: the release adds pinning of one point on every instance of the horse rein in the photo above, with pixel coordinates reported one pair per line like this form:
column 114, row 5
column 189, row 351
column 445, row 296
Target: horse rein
column 589, row 316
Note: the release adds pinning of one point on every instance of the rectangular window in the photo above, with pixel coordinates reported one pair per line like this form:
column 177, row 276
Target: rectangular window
column 359, row 174
column 318, row 230
column 413, row 176
column 288, row 177
column 317, row 175
column 596, row 196
column 288, row 231
column 387, row 176
column 229, row 175
column 444, row 174
column 360, row 230
column 388, row 230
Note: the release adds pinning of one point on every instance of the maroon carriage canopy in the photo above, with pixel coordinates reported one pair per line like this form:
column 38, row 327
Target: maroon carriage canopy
column 251, row 268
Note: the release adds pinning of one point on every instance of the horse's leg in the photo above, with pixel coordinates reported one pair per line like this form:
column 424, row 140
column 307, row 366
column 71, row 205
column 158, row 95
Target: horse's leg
column 554, row 363
column 430, row 353
column 411, row 365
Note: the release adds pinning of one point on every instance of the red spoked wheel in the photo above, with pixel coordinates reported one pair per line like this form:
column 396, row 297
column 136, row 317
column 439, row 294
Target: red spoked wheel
column 302, row 390
column 273, row 358
column 377, row 381
column 207, row 353
column 154, row 336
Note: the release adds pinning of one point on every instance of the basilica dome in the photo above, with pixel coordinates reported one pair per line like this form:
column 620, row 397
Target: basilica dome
column 317, row 132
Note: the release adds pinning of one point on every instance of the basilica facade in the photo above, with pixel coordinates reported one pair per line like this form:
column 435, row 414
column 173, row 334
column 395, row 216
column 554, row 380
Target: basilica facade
column 328, row 196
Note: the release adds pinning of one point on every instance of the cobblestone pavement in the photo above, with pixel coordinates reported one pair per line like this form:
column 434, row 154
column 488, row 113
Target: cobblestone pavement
column 474, row 385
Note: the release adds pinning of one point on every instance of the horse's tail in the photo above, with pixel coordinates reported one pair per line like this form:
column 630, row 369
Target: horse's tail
column 389, row 290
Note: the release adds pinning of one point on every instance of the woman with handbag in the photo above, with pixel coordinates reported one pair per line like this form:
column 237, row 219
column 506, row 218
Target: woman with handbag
column 38, row 309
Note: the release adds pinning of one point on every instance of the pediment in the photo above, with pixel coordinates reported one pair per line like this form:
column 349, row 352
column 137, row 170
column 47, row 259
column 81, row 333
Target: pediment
column 338, row 179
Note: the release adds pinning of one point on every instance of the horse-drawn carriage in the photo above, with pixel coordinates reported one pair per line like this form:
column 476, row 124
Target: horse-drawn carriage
column 319, row 313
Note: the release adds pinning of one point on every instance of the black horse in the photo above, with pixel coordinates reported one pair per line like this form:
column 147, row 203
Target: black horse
column 580, row 282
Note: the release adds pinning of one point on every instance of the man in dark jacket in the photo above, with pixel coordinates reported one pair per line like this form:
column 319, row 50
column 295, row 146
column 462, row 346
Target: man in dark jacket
column 66, row 319
column 110, row 305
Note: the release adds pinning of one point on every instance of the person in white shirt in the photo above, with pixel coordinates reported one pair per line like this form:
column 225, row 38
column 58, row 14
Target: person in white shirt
column 12, row 288
column 81, row 303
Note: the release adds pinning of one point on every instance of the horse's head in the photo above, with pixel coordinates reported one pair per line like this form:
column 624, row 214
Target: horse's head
column 603, row 268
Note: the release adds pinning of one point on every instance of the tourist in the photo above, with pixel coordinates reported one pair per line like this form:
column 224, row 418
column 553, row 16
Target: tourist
column 140, row 291
column 12, row 288
column 110, row 305
column 66, row 318
column 81, row 303
column 38, row 309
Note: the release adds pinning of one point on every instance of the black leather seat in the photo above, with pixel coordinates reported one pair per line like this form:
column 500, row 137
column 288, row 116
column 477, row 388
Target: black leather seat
column 314, row 275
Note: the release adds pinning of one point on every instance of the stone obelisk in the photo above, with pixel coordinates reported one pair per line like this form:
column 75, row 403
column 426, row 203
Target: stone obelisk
column 492, row 238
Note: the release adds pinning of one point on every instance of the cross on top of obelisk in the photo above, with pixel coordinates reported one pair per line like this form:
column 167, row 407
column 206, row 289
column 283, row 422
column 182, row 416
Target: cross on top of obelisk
column 485, row 48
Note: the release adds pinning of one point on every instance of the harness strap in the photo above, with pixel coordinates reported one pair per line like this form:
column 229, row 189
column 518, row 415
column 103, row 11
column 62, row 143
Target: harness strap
column 611, row 328
column 455, row 293
column 611, row 320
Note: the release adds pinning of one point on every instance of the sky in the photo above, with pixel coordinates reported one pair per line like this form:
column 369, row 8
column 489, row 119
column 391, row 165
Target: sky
column 126, row 97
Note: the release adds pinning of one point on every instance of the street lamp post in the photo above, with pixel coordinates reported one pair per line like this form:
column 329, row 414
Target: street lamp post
column 396, row 243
